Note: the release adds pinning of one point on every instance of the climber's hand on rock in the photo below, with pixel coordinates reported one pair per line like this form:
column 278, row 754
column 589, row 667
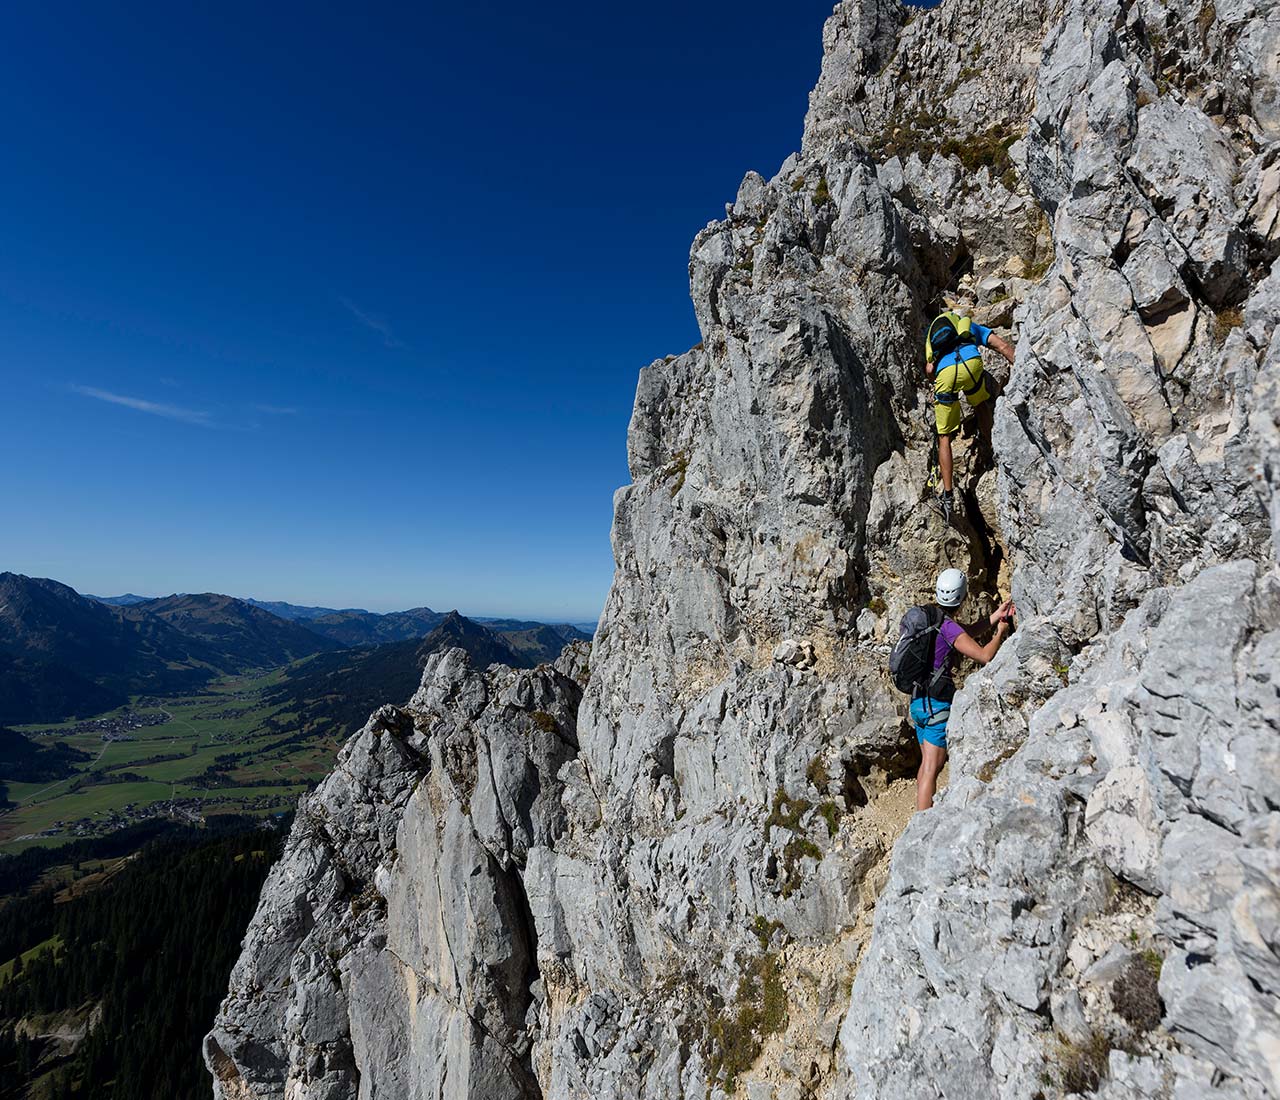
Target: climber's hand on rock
column 1003, row 613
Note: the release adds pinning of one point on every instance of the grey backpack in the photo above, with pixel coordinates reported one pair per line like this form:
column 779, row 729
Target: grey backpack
column 911, row 662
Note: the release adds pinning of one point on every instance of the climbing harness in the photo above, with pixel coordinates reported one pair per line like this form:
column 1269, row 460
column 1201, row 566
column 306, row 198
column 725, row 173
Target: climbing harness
column 948, row 333
column 951, row 394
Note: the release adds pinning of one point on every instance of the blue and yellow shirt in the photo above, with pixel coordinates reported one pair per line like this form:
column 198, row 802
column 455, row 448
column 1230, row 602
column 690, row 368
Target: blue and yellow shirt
column 967, row 350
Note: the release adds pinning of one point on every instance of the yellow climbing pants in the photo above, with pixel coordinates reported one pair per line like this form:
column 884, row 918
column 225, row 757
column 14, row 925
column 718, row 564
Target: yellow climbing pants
column 960, row 377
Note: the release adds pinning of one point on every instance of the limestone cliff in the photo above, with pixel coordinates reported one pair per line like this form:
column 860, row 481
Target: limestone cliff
column 682, row 871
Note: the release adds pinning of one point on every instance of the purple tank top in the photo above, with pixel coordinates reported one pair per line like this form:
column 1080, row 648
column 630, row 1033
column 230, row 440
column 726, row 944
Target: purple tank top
column 943, row 647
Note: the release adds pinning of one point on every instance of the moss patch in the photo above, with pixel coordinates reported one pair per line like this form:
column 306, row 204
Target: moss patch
column 545, row 721
column 786, row 813
column 676, row 469
column 1136, row 995
column 817, row 774
column 830, row 813
column 735, row 1033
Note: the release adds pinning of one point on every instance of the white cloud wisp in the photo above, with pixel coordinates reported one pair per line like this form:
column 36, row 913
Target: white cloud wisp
column 155, row 408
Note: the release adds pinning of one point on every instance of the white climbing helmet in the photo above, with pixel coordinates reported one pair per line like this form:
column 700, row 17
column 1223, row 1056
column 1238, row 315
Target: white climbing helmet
column 951, row 589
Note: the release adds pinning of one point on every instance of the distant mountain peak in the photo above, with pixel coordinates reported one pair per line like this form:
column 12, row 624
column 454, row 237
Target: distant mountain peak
column 484, row 646
column 104, row 652
column 128, row 599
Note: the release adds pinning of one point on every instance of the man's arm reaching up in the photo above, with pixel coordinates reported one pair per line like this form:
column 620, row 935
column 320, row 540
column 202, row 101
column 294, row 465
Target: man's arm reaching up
column 1000, row 344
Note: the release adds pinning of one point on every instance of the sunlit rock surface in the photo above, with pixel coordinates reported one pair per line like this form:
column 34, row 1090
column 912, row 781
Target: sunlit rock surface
column 677, row 867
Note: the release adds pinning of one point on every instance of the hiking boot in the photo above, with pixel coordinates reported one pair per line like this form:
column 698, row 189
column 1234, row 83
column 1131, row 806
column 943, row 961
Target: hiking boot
column 948, row 503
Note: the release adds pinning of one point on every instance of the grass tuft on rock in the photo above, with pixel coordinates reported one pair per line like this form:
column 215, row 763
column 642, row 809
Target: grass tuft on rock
column 786, row 813
column 735, row 1033
column 1136, row 993
column 764, row 930
column 817, row 774
column 678, row 467
column 830, row 813
column 1085, row 1065
column 798, row 848
column 1225, row 320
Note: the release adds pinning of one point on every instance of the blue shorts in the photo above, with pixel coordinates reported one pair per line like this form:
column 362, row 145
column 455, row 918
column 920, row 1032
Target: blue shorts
column 930, row 718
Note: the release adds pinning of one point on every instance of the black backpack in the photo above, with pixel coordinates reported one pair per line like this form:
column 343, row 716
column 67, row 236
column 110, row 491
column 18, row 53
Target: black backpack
column 911, row 662
column 946, row 332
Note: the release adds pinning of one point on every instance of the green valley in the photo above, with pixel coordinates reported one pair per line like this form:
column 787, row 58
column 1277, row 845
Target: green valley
column 225, row 749
column 123, row 712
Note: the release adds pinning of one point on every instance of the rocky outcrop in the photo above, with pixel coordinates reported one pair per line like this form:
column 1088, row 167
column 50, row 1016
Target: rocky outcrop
column 392, row 952
column 682, row 872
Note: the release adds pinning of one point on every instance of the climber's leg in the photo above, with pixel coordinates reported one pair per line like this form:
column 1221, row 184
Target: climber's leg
column 932, row 757
column 984, row 408
column 947, row 418
column 944, row 461
column 930, row 718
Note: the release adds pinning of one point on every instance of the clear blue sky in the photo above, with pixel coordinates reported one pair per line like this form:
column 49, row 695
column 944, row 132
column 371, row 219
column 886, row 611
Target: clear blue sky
column 345, row 306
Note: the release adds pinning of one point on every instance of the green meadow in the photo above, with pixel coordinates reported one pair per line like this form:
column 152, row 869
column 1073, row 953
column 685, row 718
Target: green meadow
column 216, row 752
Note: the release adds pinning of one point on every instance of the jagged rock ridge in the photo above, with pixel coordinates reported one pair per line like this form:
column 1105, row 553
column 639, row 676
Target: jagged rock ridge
column 685, row 879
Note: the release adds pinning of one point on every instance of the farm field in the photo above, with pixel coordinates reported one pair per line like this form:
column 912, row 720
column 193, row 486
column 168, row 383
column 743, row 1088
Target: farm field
column 221, row 751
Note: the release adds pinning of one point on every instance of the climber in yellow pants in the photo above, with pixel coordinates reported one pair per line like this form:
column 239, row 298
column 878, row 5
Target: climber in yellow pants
column 952, row 359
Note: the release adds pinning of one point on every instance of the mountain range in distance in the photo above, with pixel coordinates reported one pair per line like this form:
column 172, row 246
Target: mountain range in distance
column 359, row 625
column 372, row 627
column 338, row 690
column 64, row 655
column 127, row 600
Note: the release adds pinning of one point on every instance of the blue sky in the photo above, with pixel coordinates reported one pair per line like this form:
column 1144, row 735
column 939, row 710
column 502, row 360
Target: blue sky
column 345, row 306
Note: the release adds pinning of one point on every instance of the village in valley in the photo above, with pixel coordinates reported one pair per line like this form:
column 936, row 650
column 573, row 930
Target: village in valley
column 184, row 759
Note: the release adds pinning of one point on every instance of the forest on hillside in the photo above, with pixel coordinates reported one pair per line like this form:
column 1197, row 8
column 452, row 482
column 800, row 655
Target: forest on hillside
column 141, row 960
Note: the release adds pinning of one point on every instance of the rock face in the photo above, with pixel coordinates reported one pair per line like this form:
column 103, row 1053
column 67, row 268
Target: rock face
column 682, row 871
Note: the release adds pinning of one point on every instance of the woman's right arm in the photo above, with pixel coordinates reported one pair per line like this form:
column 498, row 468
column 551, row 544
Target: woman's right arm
column 967, row 647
